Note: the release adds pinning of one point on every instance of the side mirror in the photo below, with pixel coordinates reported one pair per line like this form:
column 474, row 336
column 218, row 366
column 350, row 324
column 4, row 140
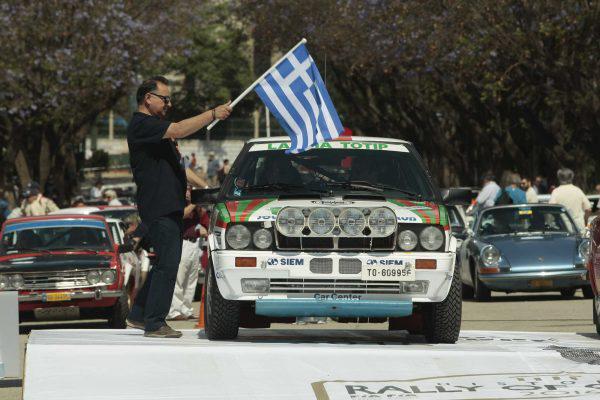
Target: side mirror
column 456, row 196
column 205, row 196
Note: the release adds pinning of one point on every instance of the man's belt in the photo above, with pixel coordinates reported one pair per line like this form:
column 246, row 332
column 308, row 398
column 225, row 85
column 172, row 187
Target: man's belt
column 190, row 239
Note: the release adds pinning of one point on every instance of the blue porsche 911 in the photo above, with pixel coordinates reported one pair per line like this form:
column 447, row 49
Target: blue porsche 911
column 524, row 248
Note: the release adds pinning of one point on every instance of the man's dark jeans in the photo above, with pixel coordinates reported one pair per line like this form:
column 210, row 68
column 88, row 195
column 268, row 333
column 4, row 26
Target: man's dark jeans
column 153, row 301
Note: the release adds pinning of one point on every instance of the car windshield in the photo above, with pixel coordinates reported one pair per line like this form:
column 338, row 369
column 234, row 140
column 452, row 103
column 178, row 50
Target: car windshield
column 334, row 168
column 523, row 220
column 55, row 238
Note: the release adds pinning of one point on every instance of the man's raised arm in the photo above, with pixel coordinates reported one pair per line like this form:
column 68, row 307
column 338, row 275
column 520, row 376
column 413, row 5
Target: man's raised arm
column 181, row 129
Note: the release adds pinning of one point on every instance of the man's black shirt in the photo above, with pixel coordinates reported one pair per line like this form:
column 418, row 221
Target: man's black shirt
column 155, row 163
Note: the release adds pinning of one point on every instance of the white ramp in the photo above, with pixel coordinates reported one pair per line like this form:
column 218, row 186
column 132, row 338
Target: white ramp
column 310, row 364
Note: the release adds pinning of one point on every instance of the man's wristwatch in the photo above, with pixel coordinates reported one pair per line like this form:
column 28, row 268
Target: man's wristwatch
column 214, row 114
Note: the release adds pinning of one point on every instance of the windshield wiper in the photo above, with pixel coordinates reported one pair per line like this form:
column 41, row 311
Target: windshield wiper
column 20, row 249
column 74, row 249
column 373, row 187
column 284, row 187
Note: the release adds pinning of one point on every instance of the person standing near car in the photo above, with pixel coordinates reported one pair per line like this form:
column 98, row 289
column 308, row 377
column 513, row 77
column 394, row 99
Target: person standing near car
column 487, row 197
column 530, row 193
column 161, row 186
column 571, row 197
column 189, row 266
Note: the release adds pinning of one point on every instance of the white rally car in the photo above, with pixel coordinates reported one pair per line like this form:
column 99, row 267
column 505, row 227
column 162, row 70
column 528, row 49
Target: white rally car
column 353, row 229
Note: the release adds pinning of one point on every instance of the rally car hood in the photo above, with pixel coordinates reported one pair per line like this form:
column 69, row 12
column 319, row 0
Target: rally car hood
column 54, row 262
column 266, row 209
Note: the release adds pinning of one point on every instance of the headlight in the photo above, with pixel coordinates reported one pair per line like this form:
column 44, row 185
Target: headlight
column 3, row 282
column 238, row 237
column 584, row 249
column 262, row 238
column 321, row 221
column 108, row 277
column 290, row 221
column 17, row 281
column 407, row 240
column 490, row 256
column 93, row 277
column 431, row 238
column 352, row 221
column 382, row 221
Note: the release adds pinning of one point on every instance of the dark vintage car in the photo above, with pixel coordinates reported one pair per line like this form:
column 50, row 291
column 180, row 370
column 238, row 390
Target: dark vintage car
column 518, row 248
column 64, row 267
column 593, row 264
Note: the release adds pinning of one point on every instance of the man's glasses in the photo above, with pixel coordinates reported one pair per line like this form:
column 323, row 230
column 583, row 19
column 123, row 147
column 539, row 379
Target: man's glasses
column 165, row 99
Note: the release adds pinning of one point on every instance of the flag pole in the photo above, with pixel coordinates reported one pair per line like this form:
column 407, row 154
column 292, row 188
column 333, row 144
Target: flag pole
column 256, row 82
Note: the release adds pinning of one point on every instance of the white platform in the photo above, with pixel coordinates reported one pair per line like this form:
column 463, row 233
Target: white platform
column 309, row 364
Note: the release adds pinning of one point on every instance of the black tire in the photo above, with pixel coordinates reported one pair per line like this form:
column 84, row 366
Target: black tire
column 568, row 292
column 222, row 317
column 587, row 291
column 467, row 292
column 481, row 292
column 442, row 320
column 118, row 313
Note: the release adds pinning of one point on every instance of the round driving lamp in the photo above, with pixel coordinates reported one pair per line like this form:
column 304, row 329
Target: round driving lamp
column 93, row 277
column 17, row 281
column 584, row 249
column 290, row 221
column 238, row 237
column 431, row 238
column 321, row 221
column 382, row 221
column 352, row 221
column 407, row 240
column 108, row 277
column 3, row 282
column 490, row 256
column 262, row 238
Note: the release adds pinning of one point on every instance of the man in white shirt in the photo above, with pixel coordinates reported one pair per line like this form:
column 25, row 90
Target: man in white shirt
column 488, row 194
column 571, row 197
column 529, row 191
column 111, row 197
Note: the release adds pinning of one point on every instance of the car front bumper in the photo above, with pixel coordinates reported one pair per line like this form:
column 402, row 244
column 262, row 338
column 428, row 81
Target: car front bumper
column 299, row 274
column 536, row 281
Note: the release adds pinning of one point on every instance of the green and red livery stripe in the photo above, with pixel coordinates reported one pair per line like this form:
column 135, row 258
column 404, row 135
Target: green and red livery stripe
column 429, row 214
column 222, row 215
column 242, row 210
column 444, row 220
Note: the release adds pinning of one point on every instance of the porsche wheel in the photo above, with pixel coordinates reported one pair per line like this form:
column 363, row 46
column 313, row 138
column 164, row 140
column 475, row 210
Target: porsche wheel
column 481, row 292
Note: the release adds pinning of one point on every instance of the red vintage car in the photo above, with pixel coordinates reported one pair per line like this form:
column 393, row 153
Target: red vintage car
column 64, row 267
column 593, row 264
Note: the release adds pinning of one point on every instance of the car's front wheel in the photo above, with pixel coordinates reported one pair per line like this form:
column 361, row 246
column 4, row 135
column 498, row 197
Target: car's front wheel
column 118, row 312
column 222, row 316
column 588, row 292
column 568, row 292
column 442, row 320
column 481, row 292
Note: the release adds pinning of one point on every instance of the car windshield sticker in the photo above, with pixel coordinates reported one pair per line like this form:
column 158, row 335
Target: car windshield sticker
column 52, row 224
column 352, row 145
column 525, row 212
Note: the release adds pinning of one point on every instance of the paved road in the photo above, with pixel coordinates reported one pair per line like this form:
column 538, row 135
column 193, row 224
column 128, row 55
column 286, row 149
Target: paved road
column 514, row 312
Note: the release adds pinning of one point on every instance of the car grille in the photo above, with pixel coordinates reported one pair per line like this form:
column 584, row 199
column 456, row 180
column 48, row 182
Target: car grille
column 330, row 243
column 350, row 266
column 333, row 286
column 321, row 265
column 56, row 280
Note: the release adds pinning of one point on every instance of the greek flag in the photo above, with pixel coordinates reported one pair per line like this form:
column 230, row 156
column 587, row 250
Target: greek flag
column 295, row 93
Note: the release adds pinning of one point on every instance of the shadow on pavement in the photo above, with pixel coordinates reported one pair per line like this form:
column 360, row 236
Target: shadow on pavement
column 27, row 327
column 525, row 297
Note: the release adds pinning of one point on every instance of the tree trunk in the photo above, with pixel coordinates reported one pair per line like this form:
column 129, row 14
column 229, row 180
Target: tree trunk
column 22, row 168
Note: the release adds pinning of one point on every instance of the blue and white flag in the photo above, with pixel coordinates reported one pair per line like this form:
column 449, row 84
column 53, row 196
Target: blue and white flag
column 295, row 93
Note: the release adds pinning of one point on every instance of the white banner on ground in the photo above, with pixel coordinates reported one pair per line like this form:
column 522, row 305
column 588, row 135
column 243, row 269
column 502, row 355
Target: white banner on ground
column 10, row 360
column 311, row 364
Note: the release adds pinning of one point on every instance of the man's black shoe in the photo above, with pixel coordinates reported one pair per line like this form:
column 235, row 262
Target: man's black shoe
column 164, row 331
column 135, row 324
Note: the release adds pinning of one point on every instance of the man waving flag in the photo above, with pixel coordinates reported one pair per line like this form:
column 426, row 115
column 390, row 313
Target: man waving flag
column 294, row 92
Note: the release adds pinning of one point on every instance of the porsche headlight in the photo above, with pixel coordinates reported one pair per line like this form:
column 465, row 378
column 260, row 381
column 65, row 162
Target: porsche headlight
column 490, row 256
column 262, row 238
column 382, row 221
column 431, row 238
column 584, row 249
column 238, row 237
column 321, row 221
column 352, row 221
column 290, row 221
column 407, row 240
column 17, row 281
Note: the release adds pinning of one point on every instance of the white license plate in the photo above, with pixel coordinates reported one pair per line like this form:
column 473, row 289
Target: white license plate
column 404, row 272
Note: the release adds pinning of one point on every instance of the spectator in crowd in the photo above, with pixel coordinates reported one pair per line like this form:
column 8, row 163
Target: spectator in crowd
column 515, row 194
column 187, row 275
column 489, row 191
column 571, row 197
column 133, row 222
column 598, row 188
column 4, row 209
column 212, row 167
column 193, row 161
column 540, row 185
column 530, row 193
column 78, row 201
column 96, row 190
column 110, row 196
column 34, row 203
column 223, row 171
column 185, row 162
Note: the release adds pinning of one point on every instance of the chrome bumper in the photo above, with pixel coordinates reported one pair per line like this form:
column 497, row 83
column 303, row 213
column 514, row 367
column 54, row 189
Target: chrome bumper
column 97, row 294
column 508, row 276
